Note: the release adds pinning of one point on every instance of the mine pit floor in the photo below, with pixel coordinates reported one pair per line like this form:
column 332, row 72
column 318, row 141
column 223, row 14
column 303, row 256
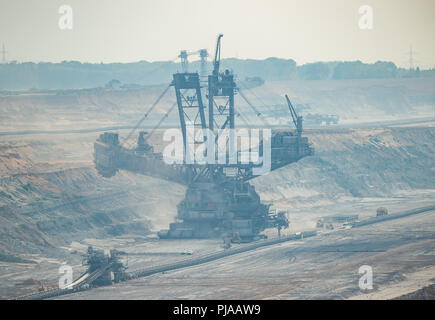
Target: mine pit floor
column 401, row 253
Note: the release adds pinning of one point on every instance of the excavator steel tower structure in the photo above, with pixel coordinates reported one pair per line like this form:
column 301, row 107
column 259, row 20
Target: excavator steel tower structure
column 219, row 199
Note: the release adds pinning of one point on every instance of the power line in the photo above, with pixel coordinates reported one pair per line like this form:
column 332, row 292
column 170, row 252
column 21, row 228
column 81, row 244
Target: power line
column 3, row 53
column 411, row 60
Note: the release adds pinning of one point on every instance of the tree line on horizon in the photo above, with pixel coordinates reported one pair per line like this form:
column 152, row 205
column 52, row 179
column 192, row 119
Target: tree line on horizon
column 75, row 75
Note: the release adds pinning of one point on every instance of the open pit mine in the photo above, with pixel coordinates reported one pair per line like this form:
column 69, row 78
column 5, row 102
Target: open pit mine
column 280, row 208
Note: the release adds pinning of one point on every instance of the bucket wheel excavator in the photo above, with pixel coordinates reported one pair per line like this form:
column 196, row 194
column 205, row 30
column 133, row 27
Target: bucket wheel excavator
column 219, row 199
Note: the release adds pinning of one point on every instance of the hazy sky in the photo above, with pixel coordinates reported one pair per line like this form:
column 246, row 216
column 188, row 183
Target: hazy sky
column 304, row 30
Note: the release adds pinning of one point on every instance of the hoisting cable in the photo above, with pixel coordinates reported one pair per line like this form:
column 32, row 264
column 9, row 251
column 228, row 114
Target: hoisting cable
column 277, row 103
column 160, row 122
column 146, row 115
column 253, row 93
column 242, row 117
column 258, row 113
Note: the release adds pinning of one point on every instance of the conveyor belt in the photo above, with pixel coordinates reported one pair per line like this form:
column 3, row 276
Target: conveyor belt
column 86, row 278
column 77, row 285
column 392, row 216
column 215, row 256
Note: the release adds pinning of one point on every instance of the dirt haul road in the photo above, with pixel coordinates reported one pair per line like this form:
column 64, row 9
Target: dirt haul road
column 401, row 253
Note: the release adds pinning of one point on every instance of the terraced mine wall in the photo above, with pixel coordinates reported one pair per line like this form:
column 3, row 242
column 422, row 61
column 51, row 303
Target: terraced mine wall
column 352, row 101
column 356, row 164
column 47, row 201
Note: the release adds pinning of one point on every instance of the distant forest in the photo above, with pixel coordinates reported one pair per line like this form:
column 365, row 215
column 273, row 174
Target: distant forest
column 74, row 75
